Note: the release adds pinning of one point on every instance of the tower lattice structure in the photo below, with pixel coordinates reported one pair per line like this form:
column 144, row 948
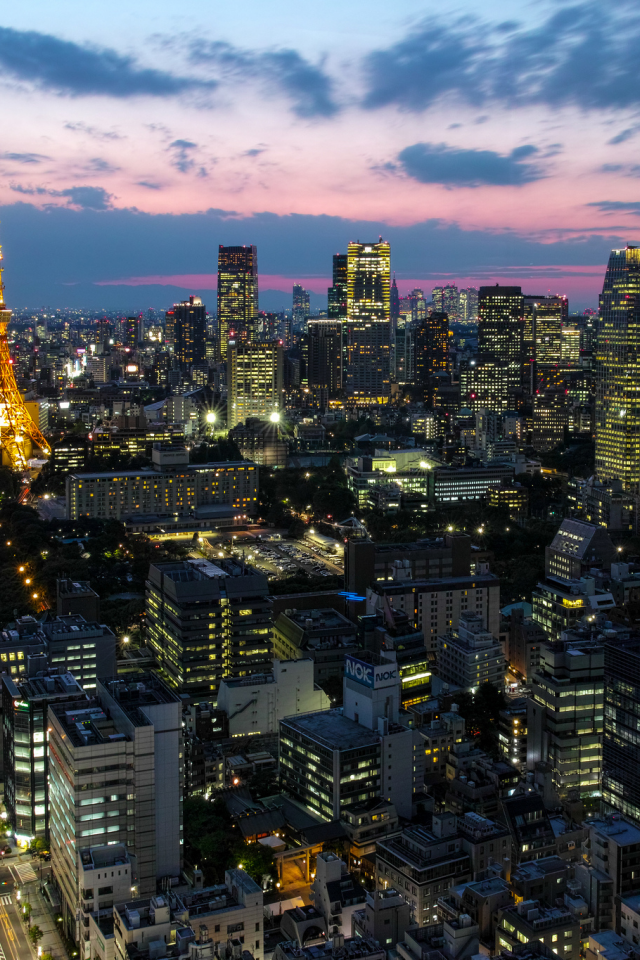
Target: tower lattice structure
column 18, row 432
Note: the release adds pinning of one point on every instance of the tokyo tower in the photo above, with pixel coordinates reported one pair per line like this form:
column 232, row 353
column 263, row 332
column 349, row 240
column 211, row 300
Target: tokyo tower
column 18, row 432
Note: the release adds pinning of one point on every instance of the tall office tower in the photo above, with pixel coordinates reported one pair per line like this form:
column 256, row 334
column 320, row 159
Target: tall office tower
column 431, row 347
column 451, row 301
column 437, row 295
column 170, row 329
column 468, row 300
column 134, row 331
column 206, row 621
column 620, row 747
column 301, row 304
column 394, row 302
column 115, row 777
column 485, row 384
column 368, row 338
column 24, row 744
column 237, row 295
column 418, row 305
column 189, row 331
column 404, row 356
column 337, row 294
column 501, row 327
column 255, row 381
column 324, row 361
column 617, row 420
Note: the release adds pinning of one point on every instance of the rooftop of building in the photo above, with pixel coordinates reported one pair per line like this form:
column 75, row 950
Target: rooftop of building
column 436, row 584
column 632, row 902
column 111, row 855
column 320, row 620
column 574, row 538
column 353, row 947
column 611, row 946
column 151, row 471
column 622, row 831
column 536, row 915
column 137, row 691
column 539, row 869
column 482, row 888
column 44, row 687
column 331, row 729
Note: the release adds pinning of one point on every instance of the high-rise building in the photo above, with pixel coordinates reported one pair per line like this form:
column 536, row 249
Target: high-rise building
column 24, row 745
column 337, row 293
column 237, row 295
column 301, row 304
column 206, row 621
column 501, row 329
column 368, row 321
column 115, row 776
column 189, row 331
column 543, row 321
column 418, row 305
column 134, row 331
column 451, row 301
column 404, row 353
column 621, row 750
column 468, row 301
column 617, row 420
column 437, row 296
column 431, row 347
column 324, row 364
column 255, row 378
column 394, row 302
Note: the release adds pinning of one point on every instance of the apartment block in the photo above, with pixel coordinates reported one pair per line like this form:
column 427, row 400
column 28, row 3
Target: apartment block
column 470, row 655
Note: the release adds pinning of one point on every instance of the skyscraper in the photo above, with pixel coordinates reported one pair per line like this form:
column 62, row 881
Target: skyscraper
column 134, row 331
column 617, row 426
column 337, row 294
column 237, row 295
column 324, row 363
column 189, row 331
column 451, row 301
column 438, row 298
column 418, row 305
column 468, row 303
column 501, row 326
column 255, row 382
column 394, row 302
column 301, row 304
column 368, row 320
column 431, row 347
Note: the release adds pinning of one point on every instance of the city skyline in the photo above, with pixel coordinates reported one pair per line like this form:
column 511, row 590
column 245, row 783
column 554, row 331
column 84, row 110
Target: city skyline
column 484, row 177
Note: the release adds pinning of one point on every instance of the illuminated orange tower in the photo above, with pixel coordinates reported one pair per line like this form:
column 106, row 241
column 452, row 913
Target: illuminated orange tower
column 18, row 432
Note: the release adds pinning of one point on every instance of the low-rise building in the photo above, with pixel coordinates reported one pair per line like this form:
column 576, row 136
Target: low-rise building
column 439, row 738
column 324, row 636
column 512, row 732
column 557, row 927
column 255, row 704
column 335, row 893
column 385, row 918
column 232, row 910
column 353, row 948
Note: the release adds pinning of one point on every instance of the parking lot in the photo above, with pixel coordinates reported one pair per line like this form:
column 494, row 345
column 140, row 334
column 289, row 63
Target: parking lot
column 278, row 558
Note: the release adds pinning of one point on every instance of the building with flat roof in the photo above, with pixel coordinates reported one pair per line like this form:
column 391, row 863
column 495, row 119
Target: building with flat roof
column 333, row 759
column 324, row 636
column 470, row 655
column 255, row 704
column 620, row 748
column 116, row 776
column 351, row 948
column 71, row 644
column 77, row 597
column 172, row 487
column 206, row 621
column 24, row 747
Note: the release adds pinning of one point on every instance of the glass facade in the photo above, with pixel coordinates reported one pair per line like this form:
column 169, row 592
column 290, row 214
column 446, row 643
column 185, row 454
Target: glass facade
column 621, row 746
column 368, row 339
column 237, row 295
column 617, row 420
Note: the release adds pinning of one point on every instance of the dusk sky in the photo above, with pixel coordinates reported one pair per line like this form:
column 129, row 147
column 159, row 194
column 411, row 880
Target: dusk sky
column 488, row 141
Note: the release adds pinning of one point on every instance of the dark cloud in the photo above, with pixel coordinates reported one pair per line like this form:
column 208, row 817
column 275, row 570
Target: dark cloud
column 115, row 243
column 94, row 132
column 148, row 184
column 99, row 165
column 624, row 135
column 586, row 55
column 72, row 69
column 181, row 158
column 617, row 206
column 87, row 198
column 24, row 157
column 306, row 84
column 439, row 163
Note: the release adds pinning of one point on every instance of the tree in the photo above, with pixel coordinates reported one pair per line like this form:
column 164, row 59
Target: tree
column 26, row 912
column 39, row 847
column 35, row 934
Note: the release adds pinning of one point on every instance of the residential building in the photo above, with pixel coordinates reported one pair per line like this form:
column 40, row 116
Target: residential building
column 255, row 378
column 617, row 424
column 565, row 716
column 365, row 822
column 171, row 488
column 335, row 892
column 24, row 747
column 323, row 636
column 470, row 655
column 189, row 332
column 368, row 325
column 237, row 295
column 107, row 760
column 525, row 637
column 435, row 606
column 333, row 759
column 206, row 621
column 255, row 704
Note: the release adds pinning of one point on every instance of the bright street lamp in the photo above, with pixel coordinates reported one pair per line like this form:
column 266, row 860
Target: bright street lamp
column 275, row 417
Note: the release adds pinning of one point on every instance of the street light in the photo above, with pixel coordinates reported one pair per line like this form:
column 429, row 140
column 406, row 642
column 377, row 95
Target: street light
column 275, row 417
column 211, row 416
